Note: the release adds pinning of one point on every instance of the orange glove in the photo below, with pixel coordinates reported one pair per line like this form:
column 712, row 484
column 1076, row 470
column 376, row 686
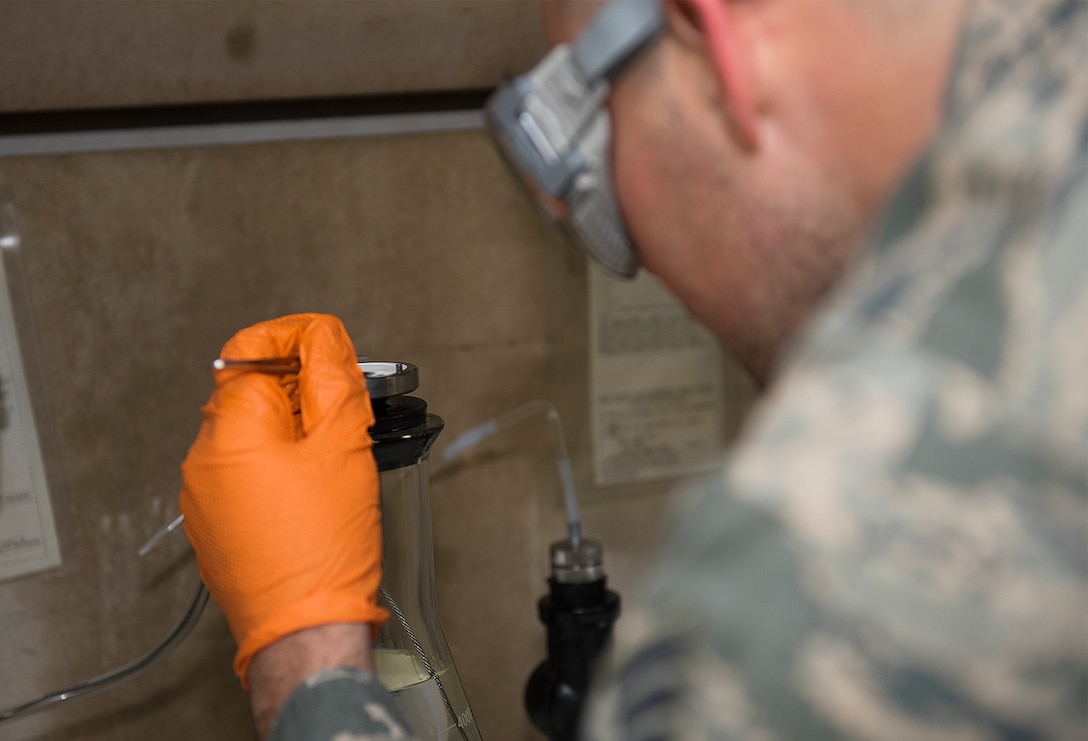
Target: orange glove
column 280, row 490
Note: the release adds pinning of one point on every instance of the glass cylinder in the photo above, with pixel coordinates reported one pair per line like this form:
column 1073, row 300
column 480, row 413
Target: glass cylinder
column 411, row 656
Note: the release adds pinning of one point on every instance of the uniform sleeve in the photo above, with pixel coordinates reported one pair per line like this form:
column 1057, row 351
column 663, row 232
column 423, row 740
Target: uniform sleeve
column 337, row 704
column 891, row 554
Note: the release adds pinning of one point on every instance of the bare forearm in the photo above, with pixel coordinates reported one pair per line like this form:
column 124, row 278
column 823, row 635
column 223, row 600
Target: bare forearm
column 279, row 668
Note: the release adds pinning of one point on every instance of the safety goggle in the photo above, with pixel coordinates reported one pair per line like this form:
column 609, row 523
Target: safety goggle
column 553, row 129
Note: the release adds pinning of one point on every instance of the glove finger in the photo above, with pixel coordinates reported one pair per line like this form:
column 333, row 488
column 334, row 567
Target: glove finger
column 248, row 410
column 269, row 339
column 251, row 394
column 332, row 390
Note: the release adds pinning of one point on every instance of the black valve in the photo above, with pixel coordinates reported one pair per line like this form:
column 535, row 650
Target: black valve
column 578, row 613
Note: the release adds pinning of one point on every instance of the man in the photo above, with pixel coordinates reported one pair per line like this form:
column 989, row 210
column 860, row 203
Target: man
column 897, row 547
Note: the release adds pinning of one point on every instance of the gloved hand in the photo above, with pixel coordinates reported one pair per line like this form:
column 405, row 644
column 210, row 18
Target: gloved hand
column 280, row 489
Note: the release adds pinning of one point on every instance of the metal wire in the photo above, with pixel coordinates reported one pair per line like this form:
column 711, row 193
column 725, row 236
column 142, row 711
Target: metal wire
column 423, row 658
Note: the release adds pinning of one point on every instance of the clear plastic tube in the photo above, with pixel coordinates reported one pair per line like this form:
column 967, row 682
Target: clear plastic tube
column 115, row 677
column 481, row 432
column 9, row 243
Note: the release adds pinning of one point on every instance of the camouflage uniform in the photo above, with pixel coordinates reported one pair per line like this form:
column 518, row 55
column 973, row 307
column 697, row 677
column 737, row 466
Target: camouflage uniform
column 898, row 548
column 341, row 704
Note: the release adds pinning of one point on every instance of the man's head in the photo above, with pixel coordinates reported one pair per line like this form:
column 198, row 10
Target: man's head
column 755, row 141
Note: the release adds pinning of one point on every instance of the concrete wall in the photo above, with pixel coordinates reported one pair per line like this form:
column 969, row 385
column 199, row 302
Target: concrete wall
column 70, row 54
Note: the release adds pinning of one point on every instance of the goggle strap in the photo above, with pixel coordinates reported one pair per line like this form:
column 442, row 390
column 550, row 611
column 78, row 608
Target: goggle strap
column 618, row 32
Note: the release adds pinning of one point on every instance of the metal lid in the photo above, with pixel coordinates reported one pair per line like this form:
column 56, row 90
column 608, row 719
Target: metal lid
column 384, row 379
column 403, row 429
column 572, row 565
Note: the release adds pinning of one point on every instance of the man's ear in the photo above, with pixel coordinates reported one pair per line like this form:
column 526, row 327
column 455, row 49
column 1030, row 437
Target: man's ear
column 707, row 23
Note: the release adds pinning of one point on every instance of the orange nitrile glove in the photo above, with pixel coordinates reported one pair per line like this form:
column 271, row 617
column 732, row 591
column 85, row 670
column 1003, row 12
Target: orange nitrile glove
column 280, row 489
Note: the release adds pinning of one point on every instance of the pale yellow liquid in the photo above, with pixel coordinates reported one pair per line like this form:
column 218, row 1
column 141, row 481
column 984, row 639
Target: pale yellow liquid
column 420, row 700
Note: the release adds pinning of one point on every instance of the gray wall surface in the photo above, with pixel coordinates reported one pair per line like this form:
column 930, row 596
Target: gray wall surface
column 67, row 54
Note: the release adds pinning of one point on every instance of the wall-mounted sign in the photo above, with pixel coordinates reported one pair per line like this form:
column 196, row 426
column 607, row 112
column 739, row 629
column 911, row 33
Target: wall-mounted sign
column 656, row 383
